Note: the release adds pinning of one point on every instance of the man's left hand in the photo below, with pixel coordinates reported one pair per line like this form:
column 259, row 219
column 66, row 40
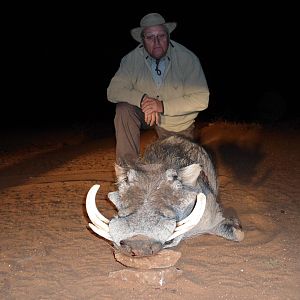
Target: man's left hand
column 151, row 105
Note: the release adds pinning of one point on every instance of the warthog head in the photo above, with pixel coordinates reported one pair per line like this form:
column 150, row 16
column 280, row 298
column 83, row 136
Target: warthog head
column 168, row 194
column 156, row 206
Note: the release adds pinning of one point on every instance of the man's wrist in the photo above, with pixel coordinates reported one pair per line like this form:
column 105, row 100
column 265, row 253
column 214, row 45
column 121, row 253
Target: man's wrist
column 145, row 95
column 162, row 107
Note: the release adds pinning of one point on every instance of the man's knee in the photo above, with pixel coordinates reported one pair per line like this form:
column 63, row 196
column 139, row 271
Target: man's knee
column 127, row 115
column 124, row 109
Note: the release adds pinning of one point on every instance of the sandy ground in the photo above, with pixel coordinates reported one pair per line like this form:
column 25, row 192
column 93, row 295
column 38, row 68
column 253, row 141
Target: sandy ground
column 47, row 251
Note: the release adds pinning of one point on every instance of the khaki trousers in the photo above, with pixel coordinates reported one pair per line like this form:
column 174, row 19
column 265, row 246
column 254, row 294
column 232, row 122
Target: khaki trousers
column 129, row 121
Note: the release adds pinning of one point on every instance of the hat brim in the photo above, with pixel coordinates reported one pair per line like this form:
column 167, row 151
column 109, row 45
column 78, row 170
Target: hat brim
column 136, row 32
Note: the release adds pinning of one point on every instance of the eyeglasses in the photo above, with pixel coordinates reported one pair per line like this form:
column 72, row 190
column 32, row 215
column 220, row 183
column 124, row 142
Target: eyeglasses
column 151, row 37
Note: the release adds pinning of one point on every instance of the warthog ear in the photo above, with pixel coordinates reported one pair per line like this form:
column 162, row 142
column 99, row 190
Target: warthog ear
column 120, row 173
column 124, row 174
column 190, row 174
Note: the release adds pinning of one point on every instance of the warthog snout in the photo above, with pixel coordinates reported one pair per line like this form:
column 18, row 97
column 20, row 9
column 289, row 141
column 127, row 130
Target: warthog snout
column 140, row 245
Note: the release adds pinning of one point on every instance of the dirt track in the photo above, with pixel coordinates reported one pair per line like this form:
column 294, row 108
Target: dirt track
column 47, row 251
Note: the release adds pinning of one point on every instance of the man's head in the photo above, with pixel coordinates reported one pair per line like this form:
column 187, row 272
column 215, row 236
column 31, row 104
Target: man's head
column 154, row 33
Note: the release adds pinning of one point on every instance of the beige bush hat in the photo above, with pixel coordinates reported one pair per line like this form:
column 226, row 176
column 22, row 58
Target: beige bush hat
column 151, row 19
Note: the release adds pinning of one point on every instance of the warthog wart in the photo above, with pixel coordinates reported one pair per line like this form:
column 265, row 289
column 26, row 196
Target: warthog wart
column 163, row 197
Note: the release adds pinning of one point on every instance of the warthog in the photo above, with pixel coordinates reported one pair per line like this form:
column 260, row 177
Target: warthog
column 168, row 194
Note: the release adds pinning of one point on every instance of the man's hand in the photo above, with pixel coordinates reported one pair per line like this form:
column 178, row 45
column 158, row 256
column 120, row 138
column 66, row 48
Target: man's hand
column 152, row 118
column 152, row 107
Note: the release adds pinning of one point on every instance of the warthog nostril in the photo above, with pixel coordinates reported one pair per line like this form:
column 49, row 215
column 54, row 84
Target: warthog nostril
column 140, row 246
column 156, row 247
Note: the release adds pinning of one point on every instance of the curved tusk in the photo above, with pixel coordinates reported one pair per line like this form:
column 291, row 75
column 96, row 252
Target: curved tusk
column 201, row 197
column 98, row 223
column 91, row 203
column 95, row 216
column 192, row 219
column 100, row 232
column 174, row 235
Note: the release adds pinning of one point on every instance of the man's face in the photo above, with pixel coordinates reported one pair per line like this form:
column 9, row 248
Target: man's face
column 156, row 41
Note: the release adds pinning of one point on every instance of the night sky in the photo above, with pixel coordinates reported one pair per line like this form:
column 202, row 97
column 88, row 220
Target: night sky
column 60, row 60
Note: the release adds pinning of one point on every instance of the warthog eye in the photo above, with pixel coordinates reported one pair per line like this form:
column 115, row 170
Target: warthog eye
column 171, row 175
column 168, row 213
column 125, row 213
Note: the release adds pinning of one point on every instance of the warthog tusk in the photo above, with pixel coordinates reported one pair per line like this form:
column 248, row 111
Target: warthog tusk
column 100, row 232
column 193, row 213
column 192, row 219
column 95, row 216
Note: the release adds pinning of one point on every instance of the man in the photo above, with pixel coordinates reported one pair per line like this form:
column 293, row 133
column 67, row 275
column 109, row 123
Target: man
column 159, row 83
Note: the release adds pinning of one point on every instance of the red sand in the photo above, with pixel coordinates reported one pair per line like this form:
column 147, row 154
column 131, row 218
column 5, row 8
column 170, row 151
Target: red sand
column 47, row 252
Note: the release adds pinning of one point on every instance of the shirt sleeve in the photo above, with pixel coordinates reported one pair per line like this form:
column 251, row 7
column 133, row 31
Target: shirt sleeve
column 121, row 88
column 195, row 96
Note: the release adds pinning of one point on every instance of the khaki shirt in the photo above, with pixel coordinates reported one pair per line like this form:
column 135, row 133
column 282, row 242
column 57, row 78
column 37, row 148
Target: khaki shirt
column 184, row 90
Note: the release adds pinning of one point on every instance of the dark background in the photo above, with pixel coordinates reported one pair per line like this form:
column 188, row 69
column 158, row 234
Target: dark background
column 60, row 58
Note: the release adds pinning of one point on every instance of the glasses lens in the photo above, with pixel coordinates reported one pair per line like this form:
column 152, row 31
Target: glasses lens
column 151, row 37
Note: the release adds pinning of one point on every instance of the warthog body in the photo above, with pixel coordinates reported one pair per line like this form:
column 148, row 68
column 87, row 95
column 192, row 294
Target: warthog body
column 156, row 196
